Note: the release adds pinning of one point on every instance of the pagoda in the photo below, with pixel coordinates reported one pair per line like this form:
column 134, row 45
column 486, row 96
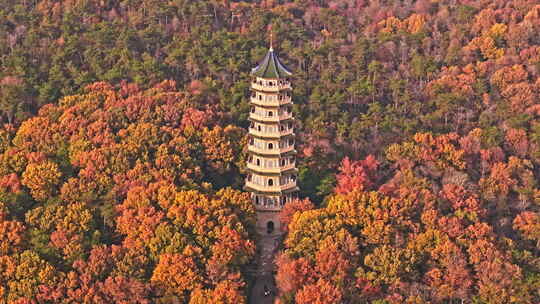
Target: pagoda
column 271, row 164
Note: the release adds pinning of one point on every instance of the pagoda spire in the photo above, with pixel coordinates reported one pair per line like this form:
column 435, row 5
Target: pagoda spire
column 271, row 40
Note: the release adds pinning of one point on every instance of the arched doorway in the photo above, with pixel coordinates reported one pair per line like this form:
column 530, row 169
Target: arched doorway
column 270, row 227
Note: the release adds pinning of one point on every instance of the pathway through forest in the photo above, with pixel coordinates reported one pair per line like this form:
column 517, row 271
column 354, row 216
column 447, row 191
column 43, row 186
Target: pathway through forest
column 267, row 244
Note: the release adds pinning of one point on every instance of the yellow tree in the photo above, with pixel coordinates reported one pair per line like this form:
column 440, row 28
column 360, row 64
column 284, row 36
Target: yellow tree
column 22, row 273
column 42, row 179
column 167, row 279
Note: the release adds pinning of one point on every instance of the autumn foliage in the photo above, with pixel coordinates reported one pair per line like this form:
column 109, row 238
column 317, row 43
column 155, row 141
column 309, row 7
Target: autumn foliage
column 107, row 198
column 122, row 150
column 441, row 229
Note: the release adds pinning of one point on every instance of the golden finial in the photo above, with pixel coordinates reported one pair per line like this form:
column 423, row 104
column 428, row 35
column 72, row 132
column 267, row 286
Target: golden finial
column 271, row 38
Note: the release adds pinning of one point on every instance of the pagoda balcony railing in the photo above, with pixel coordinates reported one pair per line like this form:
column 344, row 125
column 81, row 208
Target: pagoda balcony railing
column 268, row 208
column 276, row 87
column 279, row 134
column 278, row 118
column 275, row 188
column 271, row 103
column 275, row 170
column 272, row 152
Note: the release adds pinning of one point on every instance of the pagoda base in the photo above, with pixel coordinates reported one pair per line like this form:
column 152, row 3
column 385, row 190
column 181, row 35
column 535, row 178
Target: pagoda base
column 268, row 221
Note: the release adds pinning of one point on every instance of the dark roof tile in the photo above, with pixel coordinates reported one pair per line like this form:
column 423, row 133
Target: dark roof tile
column 271, row 67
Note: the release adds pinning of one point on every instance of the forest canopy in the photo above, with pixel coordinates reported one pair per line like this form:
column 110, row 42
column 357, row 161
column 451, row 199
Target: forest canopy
column 122, row 154
column 107, row 197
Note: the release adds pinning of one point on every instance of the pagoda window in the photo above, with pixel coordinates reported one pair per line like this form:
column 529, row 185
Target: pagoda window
column 250, row 177
column 291, row 142
column 270, row 182
column 260, row 97
column 270, row 113
column 257, row 199
column 258, row 162
column 282, row 128
column 252, row 109
column 252, row 141
column 259, row 128
column 280, row 97
column 293, row 178
column 270, row 146
column 250, row 159
column 252, row 125
column 283, row 162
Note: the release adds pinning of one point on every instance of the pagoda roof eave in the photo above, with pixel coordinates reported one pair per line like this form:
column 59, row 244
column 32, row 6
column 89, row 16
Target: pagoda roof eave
column 291, row 190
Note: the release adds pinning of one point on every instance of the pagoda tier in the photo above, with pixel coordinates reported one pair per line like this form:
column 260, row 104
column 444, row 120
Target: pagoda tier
column 271, row 114
column 271, row 165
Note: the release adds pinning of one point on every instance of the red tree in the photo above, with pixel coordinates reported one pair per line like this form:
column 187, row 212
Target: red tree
column 356, row 175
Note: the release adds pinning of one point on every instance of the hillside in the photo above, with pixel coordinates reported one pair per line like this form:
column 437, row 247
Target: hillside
column 123, row 133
